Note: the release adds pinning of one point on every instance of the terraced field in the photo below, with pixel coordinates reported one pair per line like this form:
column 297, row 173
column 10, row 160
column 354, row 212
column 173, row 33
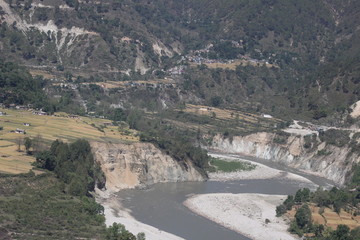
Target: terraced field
column 237, row 120
column 45, row 129
column 330, row 218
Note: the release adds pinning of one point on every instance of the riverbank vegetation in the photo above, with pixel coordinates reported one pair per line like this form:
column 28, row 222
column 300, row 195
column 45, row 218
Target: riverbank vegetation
column 324, row 214
column 217, row 164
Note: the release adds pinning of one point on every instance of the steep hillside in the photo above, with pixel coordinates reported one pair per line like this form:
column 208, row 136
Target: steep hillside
column 140, row 165
column 298, row 57
column 332, row 154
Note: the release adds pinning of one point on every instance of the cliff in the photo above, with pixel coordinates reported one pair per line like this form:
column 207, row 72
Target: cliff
column 320, row 158
column 139, row 165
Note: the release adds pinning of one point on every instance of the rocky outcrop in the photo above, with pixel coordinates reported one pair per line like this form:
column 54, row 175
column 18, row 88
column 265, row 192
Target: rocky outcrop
column 335, row 165
column 139, row 165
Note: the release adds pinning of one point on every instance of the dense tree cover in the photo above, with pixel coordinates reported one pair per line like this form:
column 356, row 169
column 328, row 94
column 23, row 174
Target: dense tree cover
column 118, row 232
column 74, row 165
column 337, row 199
column 303, row 216
column 19, row 87
column 177, row 142
column 35, row 207
column 315, row 55
column 179, row 146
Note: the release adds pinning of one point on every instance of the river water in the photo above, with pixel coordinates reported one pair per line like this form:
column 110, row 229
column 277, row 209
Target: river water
column 161, row 205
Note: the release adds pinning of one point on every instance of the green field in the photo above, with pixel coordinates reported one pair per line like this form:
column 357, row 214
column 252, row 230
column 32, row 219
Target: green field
column 46, row 129
column 230, row 166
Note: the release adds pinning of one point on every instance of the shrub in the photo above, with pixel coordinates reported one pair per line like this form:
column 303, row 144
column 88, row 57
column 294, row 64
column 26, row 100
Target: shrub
column 335, row 137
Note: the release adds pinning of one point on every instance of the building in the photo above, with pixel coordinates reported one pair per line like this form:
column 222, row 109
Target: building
column 41, row 113
column 267, row 116
column 20, row 131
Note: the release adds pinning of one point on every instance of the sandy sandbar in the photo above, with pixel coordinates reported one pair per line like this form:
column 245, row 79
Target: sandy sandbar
column 243, row 213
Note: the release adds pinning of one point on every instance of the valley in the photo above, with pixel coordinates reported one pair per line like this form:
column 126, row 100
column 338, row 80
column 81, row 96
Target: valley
column 179, row 119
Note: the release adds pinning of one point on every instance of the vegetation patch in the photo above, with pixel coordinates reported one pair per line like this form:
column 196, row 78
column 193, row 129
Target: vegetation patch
column 230, row 166
column 324, row 214
column 281, row 137
column 335, row 137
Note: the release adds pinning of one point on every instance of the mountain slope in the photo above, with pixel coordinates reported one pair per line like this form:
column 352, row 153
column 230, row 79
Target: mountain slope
column 310, row 48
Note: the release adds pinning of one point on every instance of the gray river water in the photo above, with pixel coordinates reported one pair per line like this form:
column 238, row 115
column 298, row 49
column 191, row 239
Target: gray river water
column 161, row 205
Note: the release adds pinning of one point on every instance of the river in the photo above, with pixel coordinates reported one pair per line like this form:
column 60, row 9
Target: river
column 161, row 205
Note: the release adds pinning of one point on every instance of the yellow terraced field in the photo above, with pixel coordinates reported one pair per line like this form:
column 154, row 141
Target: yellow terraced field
column 224, row 114
column 330, row 218
column 124, row 84
column 48, row 129
column 233, row 65
column 44, row 73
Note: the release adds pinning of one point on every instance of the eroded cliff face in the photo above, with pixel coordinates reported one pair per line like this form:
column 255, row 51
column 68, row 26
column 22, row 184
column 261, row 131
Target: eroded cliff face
column 335, row 165
column 139, row 165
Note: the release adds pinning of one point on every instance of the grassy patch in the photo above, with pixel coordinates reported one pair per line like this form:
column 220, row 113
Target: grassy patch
column 226, row 166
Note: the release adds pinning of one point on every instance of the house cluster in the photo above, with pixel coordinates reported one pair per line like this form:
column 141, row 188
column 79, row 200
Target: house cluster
column 205, row 50
column 19, row 131
column 68, row 85
column 108, row 124
column 23, row 107
column 17, row 107
column 178, row 70
column 203, row 60
column 73, row 116
column 149, row 85
column 40, row 113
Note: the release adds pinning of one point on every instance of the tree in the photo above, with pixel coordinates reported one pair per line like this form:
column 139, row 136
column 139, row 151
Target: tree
column 28, row 144
column 133, row 118
column 216, row 101
column 37, row 143
column 303, row 216
column 289, row 202
column 321, row 198
column 118, row 115
column 341, row 233
column 140, row 236
column 118, row 232
column 19, row 142
column 302, row 195
column 319, row 113
column 45, row 160
column 280, row 210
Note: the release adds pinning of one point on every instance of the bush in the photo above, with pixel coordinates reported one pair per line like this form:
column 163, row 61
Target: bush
column 280, row 210
column 335, row 137
column 216, row 101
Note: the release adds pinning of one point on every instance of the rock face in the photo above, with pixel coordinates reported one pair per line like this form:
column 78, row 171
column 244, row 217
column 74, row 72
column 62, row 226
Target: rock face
column 139, row 165
column 336, row 165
